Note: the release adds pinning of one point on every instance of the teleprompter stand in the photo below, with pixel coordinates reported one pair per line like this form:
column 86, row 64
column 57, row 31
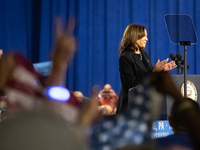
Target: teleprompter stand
column 181, row 31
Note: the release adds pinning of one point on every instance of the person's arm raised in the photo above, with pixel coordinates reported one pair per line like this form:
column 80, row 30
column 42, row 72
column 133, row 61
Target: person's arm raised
column 63, row 52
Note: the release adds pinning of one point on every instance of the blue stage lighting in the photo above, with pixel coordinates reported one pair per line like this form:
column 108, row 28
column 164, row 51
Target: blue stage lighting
column 58, row 93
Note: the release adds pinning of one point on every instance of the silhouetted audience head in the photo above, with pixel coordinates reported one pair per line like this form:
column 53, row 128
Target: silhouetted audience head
column 106, row 110
column 106, row 91
column 107, row 87
column 108, row 100
column 176, row 119
column 78, row 95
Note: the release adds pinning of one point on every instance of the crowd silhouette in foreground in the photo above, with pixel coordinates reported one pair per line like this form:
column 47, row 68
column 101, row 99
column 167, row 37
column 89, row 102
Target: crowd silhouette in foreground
column 36, row 121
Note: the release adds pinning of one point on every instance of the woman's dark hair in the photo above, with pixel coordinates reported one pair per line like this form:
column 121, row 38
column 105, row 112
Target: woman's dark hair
column 132, row 33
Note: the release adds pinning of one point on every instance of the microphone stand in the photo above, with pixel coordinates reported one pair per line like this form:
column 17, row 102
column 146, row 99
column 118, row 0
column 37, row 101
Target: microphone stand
column 180, row 68
column 185, row 43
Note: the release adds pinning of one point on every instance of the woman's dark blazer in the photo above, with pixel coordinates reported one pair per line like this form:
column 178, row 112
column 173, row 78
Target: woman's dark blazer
column 132, row 71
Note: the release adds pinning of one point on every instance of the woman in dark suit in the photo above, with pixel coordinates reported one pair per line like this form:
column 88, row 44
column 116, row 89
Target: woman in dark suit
column 134, row 63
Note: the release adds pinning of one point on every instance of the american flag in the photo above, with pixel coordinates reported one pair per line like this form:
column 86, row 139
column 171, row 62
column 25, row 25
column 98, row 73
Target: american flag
column 25, row 90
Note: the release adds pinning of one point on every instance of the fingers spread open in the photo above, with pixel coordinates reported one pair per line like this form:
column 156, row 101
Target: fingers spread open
column 70, row 27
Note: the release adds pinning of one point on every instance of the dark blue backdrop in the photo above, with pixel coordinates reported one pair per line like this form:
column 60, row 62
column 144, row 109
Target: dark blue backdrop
column 27, row 26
